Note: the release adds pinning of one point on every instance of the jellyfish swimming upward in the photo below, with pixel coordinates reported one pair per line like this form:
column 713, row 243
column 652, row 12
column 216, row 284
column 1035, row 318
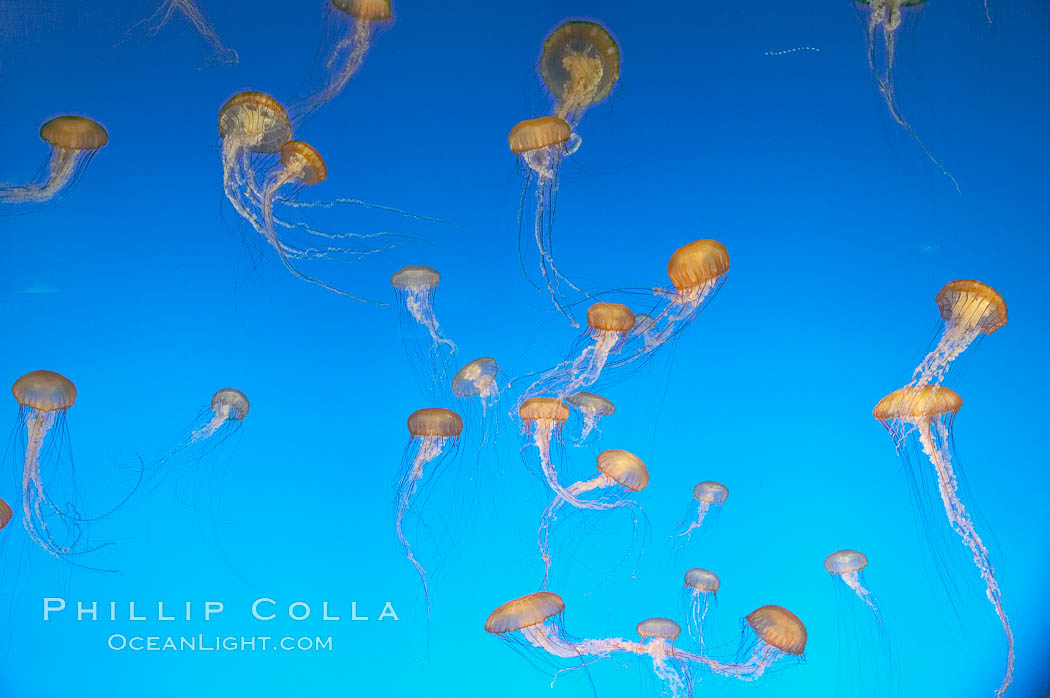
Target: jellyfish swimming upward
column 74, row 140
column 43, row 398
column 254, row 127
column 434, row 433
column 429, row 352
column 214, row 424
column 188, row 9
column 925, row 414
column 700, row 592
column 534, row 625
column 885, row 16
column 970, row 309
column 620, row 474
column 349, row 53
column 708, row 497
column 592, row 408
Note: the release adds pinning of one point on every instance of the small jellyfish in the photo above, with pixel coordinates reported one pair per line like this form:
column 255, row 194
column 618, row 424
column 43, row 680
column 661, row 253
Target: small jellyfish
column 541, row 145
column 620, row 474
column 658, row 636
column 167, row 9
column 254, row 125
column 478, row 379
column 608, row 325
column 544, row 417
column 434, row 434
column 43, row 398
column 580, row 64
column 925, row 414
column 592, row 408
column 969, row 309
column 429, row 352
column 886, row 16
column 645, row 329
column 700, row 593
column 709, row 497
column 74, row 140
column 348, row 55
column 861, row 635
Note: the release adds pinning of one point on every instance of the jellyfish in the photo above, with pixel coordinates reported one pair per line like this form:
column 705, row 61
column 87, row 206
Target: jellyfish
column 580, row 64
column 700, row 594
column 969, row 309
column 592, row 408
column 620, row 474
column 74, row 141
column 43, row 398
column 254, row 125
column 709, row 497
column 864, row 639
column 216, row 423
column 544, row 417
column 607, row 327
column 167, row 9
column 645, row 329
column 886, row 16
column 925, row 414
column 429, row 351
column 533, row 625
column 541, row 145
column 434, row 433
column 349, row 53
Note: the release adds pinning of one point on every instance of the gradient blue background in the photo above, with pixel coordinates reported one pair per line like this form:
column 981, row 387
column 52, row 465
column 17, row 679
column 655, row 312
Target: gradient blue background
column 141, row 286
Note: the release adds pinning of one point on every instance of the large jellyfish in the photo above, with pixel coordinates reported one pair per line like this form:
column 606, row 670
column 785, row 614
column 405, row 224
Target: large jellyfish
column 74, row 141
column 43, row 398
column 700, row 595
column 886, row 16
column 167, row 9
column 592, row 408
column 709, row 497
column 533, row 625
column 969, row 309
column 5, row 514
column 580, row 64
column 429, row 351
column 349, row 53
column 925, row 414
column 544, row 417
column 541, row 144
column 620, row 474
column 254, row 127
column 434, row 433
column 608, row 325
column 861, row 635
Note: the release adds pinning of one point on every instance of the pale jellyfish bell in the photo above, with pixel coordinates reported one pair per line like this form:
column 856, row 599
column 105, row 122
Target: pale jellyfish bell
column 429, row 351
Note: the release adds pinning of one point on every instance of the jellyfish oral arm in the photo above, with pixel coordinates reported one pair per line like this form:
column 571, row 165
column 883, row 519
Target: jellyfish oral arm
column 959, row 334
column 430, row 447
column 550, row 515
column 222, row 413
column 853, row 581
column 936, row 451
column 417, row 301
column 61, row 167
column 701, row 511
column 34, row 497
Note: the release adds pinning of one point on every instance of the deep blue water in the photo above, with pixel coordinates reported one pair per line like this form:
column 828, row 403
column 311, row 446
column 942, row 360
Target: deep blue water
column 142, row 286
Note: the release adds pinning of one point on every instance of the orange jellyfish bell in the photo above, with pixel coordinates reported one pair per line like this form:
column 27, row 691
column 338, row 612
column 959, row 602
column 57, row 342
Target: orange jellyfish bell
column 624, row 467
column 304, row 160
column 5, row 514
column 435, row 421
column 972, row 303
column 533, row 134
column 697, row 263
column 259, row 115
column 371, row 10
column 523, row 612
column 74, row 133
column 780, row 628
column 913, row 403
column 543, row 408
column 664, row 628
column 610, row 317
column 46, row 391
